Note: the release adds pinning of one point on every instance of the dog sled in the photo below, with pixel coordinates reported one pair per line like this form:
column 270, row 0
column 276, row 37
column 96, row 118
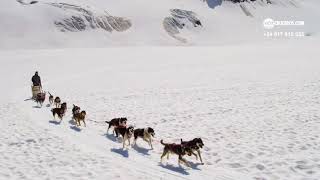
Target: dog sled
column 35, row 91
column 38, row 95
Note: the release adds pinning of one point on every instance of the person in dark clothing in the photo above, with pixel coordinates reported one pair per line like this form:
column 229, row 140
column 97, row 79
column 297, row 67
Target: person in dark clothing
column 36, row 80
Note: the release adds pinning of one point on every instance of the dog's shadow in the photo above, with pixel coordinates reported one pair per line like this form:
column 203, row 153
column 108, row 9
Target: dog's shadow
column 76, row 128
column 195, row 165
column 111, row 137
column 177, row 169
column 141, row 150
column 55, row 122
column 38, row 107
column 124, row 153
column 72, row 122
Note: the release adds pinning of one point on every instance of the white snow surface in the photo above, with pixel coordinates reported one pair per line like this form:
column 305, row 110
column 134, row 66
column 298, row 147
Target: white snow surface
column 253, row 100
column 256, row 111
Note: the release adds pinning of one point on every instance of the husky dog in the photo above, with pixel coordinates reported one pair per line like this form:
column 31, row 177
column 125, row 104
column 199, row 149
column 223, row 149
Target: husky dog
column 195, row 145
column 75, row 110
column 57, row 102
column 80, row 116
column 116, row 122
column 177, row 149
column 146, row 134
column 40, row 98
column 125, row 132
column 60, row 111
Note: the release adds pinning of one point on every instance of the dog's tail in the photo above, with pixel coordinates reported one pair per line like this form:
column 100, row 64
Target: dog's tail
column 49, row 93
column 108, row 122
column 161, row 141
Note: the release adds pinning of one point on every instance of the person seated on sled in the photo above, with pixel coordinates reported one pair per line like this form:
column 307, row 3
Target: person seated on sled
column 36, row 80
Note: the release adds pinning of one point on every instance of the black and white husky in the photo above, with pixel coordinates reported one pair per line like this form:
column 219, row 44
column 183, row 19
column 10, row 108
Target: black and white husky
column 146, row 134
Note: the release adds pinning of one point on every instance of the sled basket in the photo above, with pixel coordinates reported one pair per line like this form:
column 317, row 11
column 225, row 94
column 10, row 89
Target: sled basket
column 35, row 90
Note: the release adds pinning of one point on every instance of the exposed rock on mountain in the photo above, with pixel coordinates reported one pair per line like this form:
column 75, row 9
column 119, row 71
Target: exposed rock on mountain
column 180, row 19
column 77, row 18
column 84, row 19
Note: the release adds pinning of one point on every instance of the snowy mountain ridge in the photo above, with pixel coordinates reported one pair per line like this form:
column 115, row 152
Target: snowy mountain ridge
column 69, row 23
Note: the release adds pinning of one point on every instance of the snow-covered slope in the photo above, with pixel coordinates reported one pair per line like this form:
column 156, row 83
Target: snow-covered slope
column 254, row 100
column 100, row 23
column 258, row 113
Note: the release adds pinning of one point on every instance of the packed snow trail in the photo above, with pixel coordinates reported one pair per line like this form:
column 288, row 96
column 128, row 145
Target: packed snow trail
column 35, row 146
column 257, row 115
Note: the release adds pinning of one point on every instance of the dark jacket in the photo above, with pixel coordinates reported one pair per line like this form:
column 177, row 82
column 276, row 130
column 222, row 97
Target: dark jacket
column 36, row 80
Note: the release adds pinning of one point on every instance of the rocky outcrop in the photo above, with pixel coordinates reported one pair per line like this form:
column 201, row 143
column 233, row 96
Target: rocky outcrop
column 83, row 19
column 77, row 18
column 179, row 20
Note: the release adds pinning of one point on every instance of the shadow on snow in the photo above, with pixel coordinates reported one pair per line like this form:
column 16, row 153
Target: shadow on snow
column 72, row 122
column 55, row 122
column 177, row 169
column 75, row 128
column 195, row 165
column 141, row 150
column 124, row 153
column 37, row 106
column 111, row 137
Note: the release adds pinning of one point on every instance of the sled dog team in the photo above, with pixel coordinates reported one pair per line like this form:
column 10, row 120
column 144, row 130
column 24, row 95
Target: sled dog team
column 120, row 127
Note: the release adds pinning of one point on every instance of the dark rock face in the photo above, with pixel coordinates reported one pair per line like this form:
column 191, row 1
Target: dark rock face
column 84, row 19
column 78, row 18
column 178, row 20
column 180, row 14
column 213, row 3
column 238, row 1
